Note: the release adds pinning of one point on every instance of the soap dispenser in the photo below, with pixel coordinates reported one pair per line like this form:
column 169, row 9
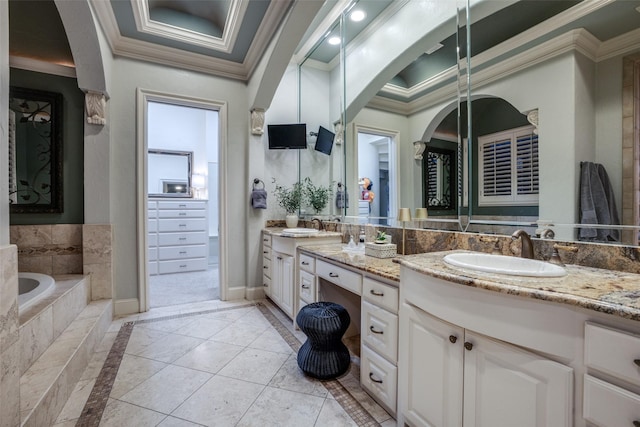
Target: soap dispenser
column 352, row 244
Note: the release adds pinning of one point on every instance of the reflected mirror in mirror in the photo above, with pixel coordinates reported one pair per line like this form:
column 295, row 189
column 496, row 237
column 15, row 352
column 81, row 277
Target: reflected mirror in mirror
column 439, row 166
column 35, row 151
column 169, row 173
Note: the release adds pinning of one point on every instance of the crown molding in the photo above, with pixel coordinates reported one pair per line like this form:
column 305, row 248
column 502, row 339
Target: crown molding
column 178, row 58
column 38, row 66
column 620, row 45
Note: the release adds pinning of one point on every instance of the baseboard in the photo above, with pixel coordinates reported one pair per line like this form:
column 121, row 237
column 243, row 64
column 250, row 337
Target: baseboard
column 235, row 293
column 126, row 306
column 254, row 293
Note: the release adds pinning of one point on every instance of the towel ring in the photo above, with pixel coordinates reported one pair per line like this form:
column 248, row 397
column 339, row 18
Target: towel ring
column 257, row 181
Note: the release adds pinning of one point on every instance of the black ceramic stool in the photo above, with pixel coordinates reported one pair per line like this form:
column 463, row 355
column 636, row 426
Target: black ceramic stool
column 323, row 355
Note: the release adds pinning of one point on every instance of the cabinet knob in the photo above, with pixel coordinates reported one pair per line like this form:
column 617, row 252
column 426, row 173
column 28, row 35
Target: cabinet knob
column 280, row 258
column 453, row 339
column 374, row 379
column 376, row 293
column 468, row 345
column 637, row 362
column 375, row 331
column 265, row 252
column 265, row 267
column 304, row 263
column 305, row 286
column 333, row 275
column 265, row 285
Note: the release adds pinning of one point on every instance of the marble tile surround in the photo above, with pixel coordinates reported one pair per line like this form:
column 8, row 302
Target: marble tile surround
column 597, row 255
column 9, row 338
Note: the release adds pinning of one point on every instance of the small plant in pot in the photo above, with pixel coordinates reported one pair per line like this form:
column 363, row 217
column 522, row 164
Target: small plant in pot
column 290, row 199
column 381, row 237
column 316, row 195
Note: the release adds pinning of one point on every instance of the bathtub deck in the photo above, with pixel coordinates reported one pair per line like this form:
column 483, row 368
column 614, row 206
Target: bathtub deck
column 64, row 284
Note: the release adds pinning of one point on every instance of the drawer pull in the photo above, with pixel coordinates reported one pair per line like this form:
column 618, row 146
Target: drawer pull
column 304, row 263
column 182, row 252
column 182, row 206
column 305, row 286
column 374, row 379
column 264, row 266
column 183, row 266
column 280, row 258
column 378, row 294
column 333, row 275
column 182, row 238
column 468, row 345
column 265, row 285
column 372, row 329
column 182, row 225
column 637, row 362
column 265, row 240
column 265, row 252
column 182, row 214
column 453, row 339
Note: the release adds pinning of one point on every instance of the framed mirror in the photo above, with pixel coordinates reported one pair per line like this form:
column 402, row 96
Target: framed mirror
column 169, row 173
column 439, row 180
column 35, row 151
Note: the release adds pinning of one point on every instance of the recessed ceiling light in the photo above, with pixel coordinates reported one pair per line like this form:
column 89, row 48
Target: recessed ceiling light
column 357, row 15
column 434, row 48
column 334, row 40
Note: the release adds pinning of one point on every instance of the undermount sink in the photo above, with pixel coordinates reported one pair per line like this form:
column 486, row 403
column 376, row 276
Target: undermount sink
column 502, row 264
column 299, row 231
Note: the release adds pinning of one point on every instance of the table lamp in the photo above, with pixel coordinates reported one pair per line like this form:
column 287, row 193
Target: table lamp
column 404, row 215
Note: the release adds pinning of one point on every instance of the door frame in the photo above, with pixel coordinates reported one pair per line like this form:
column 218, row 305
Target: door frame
column 143, row 97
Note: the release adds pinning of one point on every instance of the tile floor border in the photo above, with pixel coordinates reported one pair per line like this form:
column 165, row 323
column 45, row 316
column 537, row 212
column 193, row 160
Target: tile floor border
column 97, row 401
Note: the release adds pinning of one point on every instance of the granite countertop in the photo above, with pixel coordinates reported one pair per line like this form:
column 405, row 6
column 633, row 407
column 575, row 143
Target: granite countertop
column 382, row 267
column 605, row 291
column 278, row 231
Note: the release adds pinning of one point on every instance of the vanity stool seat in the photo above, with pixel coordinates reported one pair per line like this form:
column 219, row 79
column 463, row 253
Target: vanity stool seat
column 323, row 355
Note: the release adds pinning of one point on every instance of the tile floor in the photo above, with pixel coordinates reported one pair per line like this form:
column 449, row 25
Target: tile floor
column 214, row 364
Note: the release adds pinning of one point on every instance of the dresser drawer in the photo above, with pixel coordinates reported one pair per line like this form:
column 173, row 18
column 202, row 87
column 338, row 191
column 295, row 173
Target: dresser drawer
column 307, row 263
column 152, row 239
column 182, row 204
column 307, row 286
column 153, row 254
column 340, row 276
column 182, row 252
column 179, row 266
column 379, row 331
column 266, row 239
column 181, row 213
column 177, row 239
column 380, row 294
column 609, row 406
column 152, row 206
column 379, row 377
column 152, row 225
column 188, row 224
column 153, row 268
column 613, row 352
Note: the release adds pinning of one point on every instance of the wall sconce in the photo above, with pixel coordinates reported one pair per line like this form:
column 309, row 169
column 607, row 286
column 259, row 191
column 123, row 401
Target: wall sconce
column 404, row 215
column 198, row 183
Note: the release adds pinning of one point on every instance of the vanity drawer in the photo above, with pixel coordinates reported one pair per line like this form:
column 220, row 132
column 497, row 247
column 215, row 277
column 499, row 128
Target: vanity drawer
column 266, row 251
column 340, row 276
column 613, row 352
column 188, row 224
column 266, row 267
column 380, row 294
column 266, row 239
column 185, row 204
column 266, row 283
column 379, row 377
column 379, row 330
column 180, row 252
column 178, row 239
column 307, row 286
column 181, row 213
column 609, row 406
column 179, row 266
column 307, row 263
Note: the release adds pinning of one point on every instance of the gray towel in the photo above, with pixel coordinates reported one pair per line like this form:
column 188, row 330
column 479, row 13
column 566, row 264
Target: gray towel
column 597, row 204
column 259, row 198
column 342, row 199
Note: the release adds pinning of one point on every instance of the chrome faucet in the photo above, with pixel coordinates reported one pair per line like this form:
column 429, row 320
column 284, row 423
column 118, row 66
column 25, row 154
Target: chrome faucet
column 320, row 223
column 526, row 250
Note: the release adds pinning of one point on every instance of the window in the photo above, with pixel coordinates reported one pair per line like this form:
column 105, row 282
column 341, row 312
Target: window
column 508, row 168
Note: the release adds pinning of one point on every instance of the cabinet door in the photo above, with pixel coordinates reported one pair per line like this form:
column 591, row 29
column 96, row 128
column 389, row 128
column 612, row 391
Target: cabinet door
column 276, row 278
column 430, row 365
column 507, row 386
column 287, row 285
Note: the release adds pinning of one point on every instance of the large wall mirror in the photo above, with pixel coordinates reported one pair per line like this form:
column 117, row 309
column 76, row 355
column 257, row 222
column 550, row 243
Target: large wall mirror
column 549, row 77
column 35, row 151
column 169, row 173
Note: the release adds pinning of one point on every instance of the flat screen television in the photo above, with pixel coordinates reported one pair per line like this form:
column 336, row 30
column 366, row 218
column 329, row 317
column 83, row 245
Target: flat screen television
column 293, row 136
column 324, row 142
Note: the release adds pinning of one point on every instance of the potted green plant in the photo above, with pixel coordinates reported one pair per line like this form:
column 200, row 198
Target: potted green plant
column 382, row 237
column 316, row 195
column 290, row 199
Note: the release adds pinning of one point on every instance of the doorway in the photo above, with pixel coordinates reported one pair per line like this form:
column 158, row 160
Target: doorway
column 181, row 242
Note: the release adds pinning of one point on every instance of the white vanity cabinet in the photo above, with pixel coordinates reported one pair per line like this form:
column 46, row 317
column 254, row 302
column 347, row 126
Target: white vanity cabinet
column 178, row 235
column 614, row 356
column 451, row 375
column 282, row 290
column 266, row 263
column 379, row 339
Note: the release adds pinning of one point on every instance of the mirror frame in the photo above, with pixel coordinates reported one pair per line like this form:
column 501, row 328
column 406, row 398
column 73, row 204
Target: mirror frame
column 189, row 156
column 56, row 149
